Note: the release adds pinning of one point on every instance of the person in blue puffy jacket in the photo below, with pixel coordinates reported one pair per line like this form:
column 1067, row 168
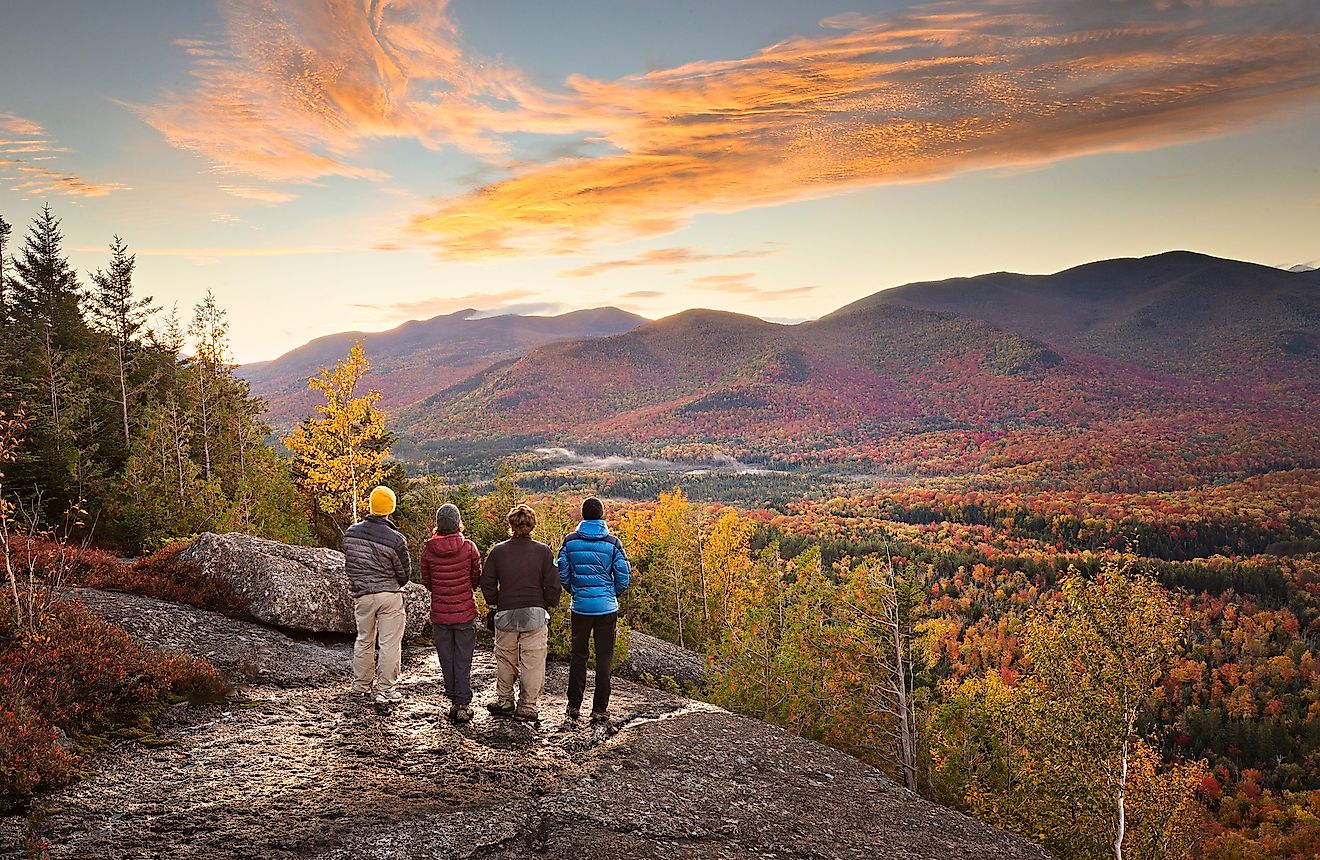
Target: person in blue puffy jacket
column 595, row 571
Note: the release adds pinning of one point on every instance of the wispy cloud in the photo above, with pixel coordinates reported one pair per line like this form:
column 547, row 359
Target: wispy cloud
column 741, row 283
column 660, row 257
column 29, row 139
column 207, row 256
column 292, row 91
column 481, row 304
column 264, row 195
column 943, row 88
column 295, row 91
column 13, row 124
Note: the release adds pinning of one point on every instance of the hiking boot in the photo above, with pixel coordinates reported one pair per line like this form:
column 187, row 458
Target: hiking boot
column 601, row 722
column 385, row 707
column 462, row 715
column 573, row 713
column 501, row 709
column 527, row 717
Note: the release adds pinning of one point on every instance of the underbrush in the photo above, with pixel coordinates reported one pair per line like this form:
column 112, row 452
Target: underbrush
column 162, row 575
column 76, row 677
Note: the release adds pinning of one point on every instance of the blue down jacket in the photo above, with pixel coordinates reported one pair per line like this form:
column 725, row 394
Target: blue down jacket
column 593, row 568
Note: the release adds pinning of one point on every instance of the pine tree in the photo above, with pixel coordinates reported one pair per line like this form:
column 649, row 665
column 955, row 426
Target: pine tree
column 45, row 305
column 52, row 351
column 122, row 317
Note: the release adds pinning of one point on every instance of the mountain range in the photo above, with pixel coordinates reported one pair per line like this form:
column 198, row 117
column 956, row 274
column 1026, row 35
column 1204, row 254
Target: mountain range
column 1137, row 359
column 421, row 357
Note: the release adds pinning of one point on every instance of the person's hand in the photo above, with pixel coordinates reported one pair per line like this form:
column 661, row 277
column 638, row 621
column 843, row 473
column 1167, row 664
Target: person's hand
column 490, row 620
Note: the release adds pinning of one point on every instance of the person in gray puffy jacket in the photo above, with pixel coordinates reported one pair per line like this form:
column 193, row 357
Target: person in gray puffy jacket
column 378, row 565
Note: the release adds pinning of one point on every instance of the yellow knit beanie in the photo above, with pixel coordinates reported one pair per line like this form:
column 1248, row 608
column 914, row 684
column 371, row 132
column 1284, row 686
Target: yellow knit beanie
column 382, row 502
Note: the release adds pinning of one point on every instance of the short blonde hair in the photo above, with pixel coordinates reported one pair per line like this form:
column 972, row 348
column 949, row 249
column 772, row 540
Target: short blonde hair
column 522, row 521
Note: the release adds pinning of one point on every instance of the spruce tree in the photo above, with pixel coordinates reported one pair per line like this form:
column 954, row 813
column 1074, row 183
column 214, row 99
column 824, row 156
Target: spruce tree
column 121, row 317
column 50, row 346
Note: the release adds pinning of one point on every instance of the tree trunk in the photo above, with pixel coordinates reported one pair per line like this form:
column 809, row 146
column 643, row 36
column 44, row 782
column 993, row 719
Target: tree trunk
column 352, row 475
column 1121, row 830
column 178, row 450
column 678, row 601
column 701, row 567
column 123, row 396
column 206, row 430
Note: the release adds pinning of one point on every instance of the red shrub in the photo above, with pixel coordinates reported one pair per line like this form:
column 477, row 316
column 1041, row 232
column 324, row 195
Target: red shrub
column 47, row 559
column 162, row 575
column 81, row 674
column 30, row 755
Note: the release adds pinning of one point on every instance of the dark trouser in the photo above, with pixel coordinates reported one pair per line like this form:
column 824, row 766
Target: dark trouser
column 453, row 645
column 604, row 628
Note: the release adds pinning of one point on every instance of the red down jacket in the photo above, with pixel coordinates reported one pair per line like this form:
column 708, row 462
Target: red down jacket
column 451, row 569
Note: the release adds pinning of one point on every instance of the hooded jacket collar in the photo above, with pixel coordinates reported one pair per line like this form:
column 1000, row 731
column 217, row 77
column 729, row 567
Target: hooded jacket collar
column 593, row 528
column 445, row 544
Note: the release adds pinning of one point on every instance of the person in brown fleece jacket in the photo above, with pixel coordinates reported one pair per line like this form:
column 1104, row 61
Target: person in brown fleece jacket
column 520, row 581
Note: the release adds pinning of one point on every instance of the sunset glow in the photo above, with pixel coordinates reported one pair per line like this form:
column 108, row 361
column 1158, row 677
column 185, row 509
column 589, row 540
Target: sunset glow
column 432, row 155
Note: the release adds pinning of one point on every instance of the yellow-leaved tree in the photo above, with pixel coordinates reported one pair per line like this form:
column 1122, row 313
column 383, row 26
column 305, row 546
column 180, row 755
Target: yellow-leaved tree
column 1062, row 756
column 340, row 454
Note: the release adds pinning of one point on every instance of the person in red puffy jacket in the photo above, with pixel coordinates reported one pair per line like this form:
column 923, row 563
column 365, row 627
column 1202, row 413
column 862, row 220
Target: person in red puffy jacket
column 451, row 570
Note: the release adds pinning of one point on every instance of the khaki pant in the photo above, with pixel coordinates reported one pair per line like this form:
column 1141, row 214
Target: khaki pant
column 521, row 655
column 380, row 616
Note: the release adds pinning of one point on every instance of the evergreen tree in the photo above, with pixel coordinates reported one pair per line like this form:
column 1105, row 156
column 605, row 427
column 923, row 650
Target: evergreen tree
column 44, row 303
column 51, row 344
column 209, row 330
column 122, row 317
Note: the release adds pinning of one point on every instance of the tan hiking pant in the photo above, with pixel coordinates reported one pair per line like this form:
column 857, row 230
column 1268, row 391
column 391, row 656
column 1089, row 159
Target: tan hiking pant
column 521, row 655
column 379, row 616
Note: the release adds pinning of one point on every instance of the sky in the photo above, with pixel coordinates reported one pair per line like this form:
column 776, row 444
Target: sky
column 333, row 165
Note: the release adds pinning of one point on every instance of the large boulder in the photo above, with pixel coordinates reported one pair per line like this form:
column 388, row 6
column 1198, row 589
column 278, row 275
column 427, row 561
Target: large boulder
column 298, row 588
column 652, row 661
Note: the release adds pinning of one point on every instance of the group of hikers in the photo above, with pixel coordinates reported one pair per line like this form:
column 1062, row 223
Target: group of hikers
column 521, row 580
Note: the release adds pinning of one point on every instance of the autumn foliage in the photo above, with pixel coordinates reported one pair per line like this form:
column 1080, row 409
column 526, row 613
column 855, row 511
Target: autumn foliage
column 78, row 675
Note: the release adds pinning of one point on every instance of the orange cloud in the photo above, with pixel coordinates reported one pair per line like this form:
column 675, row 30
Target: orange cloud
column 13, row 124
column 944, row 88
column 30, row 140
column 659, row 257
column 294, row 90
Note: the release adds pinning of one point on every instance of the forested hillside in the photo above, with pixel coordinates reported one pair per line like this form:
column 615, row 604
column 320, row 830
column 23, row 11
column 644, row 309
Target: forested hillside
column 1064, row 383
column 421, row 357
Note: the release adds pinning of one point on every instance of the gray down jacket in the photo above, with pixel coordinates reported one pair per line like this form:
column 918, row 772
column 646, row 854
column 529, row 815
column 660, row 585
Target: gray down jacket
column 376, row 557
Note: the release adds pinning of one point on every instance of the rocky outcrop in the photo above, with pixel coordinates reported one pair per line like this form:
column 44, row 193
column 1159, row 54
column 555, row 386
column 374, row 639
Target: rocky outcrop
column 652, row 661
column 306, row 770
column 293, row 587
column 243, row 652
